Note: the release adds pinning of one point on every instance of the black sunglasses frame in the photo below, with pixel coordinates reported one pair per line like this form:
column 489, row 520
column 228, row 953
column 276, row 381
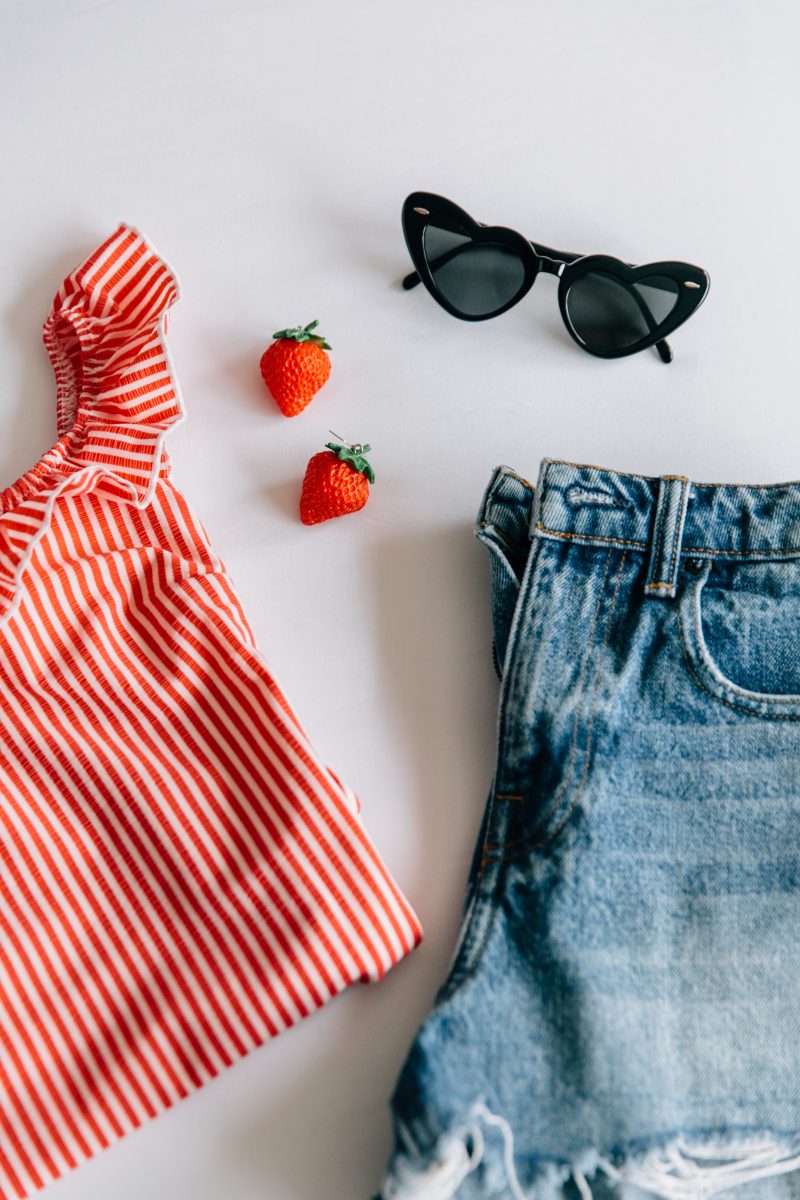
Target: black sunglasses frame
column 425, row 208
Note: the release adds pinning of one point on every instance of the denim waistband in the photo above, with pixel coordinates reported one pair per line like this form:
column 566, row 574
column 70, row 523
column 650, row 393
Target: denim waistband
column 668, row 517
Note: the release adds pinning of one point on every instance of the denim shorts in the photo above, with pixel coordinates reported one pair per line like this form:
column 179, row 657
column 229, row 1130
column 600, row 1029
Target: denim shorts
column 621, row 1017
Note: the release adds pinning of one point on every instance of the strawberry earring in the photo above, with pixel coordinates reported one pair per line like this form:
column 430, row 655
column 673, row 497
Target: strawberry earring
column 295, row 366
column 336, row 481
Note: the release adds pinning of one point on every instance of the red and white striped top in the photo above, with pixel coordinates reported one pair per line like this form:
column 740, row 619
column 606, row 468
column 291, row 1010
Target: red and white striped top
column 181, row 878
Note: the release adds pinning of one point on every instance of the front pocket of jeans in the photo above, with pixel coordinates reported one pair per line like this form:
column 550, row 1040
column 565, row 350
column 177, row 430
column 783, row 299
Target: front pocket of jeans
column 738, row 628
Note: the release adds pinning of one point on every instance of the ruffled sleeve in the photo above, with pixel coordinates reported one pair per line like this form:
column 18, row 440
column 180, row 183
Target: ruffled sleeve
column 117, row 393
column 117, row 396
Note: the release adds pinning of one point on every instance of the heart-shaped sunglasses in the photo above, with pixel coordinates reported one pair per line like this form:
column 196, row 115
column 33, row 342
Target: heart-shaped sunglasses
column 609, row 307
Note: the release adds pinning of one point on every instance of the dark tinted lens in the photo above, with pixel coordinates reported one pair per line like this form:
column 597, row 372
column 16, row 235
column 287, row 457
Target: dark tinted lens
column 477, row 278
column 609, row 314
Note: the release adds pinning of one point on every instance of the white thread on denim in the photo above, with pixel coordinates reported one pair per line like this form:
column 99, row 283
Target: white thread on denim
column 676, row 1171
column 582, row 1185
column 577, row 495
column 442, row 1180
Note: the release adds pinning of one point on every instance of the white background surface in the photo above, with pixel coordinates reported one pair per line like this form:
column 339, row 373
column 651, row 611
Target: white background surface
column 265, row 150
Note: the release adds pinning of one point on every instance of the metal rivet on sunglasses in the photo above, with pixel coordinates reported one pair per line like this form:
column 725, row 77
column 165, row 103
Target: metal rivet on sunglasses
column 690, row 283
column 423, row 212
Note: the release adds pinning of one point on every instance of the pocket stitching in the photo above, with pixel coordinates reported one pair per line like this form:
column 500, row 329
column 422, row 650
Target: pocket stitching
column 750, row 702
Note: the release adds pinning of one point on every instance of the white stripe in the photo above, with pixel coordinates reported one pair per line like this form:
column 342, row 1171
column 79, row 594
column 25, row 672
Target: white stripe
column 25, row 1104
column 145, row 420
column 282, row 812
column 153, row 290
column 80, row 604
column 116, row 650
column 103, row 269
column 101, row 798
column 278, row 809
column 194, row 535
column 77, row 850
column 125, row 264
column 146, row 396
column 229, row 613
column 52, row 955
column 161, row 854
column 337, row 859
column 77, row 821
column 140, row 383
column 127, row 467
column 126, row 344
column 249, row 662
column 42, row 1028
column 30, row 521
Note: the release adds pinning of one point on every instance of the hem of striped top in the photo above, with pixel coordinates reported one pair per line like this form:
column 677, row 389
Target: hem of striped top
column 155, row 1091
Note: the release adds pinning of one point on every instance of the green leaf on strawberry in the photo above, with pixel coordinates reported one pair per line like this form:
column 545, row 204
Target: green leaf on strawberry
column 355, row 457
column 303, row 333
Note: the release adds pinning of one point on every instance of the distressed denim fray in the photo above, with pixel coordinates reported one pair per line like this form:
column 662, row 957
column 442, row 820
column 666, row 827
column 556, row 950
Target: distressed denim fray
column 621, row 1016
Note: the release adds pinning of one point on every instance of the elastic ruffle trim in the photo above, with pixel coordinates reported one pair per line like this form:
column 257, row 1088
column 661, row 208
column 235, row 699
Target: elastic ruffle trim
column 117, row 391
column 117, row 394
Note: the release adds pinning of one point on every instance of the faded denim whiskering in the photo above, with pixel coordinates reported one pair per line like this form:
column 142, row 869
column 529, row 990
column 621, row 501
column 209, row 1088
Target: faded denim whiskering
column 622, row 1013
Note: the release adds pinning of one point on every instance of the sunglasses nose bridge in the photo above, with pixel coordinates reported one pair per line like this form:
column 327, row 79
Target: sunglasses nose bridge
column 549, row 266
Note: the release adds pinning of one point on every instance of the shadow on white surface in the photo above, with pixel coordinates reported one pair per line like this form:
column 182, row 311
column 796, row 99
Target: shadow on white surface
column 284, row 495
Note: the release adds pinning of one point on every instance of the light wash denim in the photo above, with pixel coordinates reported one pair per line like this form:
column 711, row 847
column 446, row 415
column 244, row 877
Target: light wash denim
column 622, row 1013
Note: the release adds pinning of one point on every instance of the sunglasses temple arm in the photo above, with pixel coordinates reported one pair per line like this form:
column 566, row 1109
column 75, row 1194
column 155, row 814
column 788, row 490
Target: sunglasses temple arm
column 413, row 279
column 663, row 347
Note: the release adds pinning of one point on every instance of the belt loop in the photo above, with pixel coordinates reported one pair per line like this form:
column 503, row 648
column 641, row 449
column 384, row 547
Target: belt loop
column 665, row 548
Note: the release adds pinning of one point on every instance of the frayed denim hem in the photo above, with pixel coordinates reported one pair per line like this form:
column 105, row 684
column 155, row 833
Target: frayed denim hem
column 679, row 1168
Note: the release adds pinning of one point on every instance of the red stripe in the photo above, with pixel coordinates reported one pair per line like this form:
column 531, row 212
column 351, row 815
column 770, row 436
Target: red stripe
column 81, row 775
column 250, row 754
column 183, row 876
column 65, row 988
column 68, row 888
column 199, row 755
column 229, row 667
